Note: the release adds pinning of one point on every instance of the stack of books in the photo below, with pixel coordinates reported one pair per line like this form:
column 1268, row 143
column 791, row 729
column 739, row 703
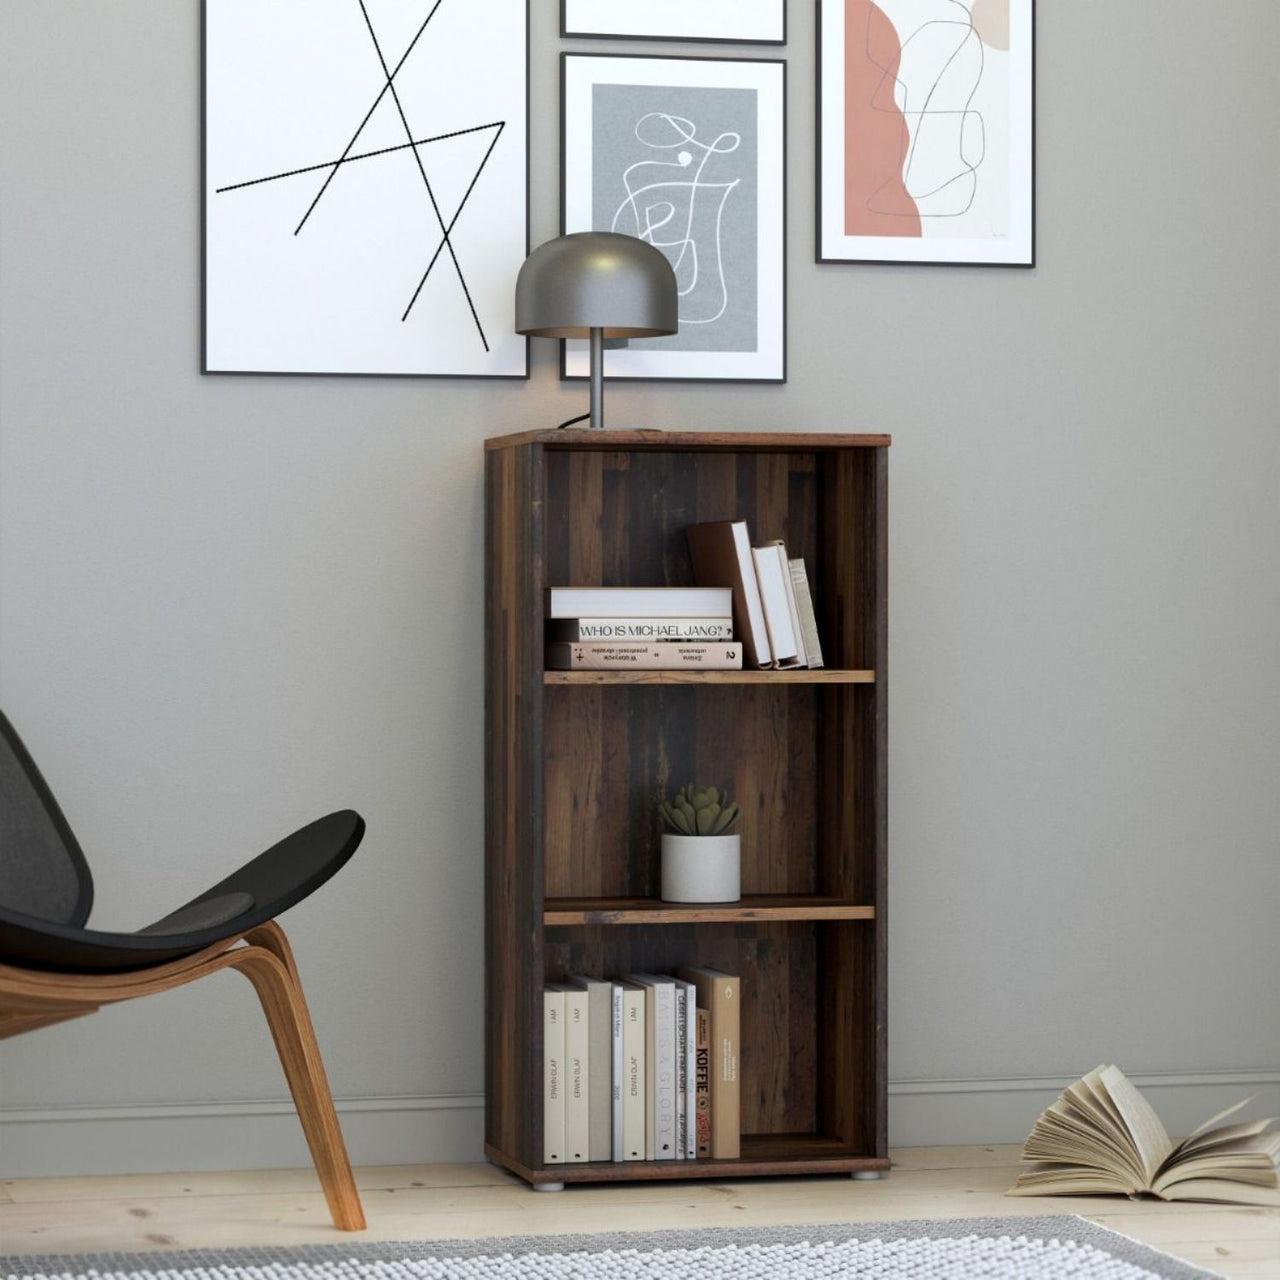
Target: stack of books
column 640, row 628
column 642, row 1067
column 772, row 601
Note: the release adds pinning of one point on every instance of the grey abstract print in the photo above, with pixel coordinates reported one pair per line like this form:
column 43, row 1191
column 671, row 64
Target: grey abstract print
column 677, row 166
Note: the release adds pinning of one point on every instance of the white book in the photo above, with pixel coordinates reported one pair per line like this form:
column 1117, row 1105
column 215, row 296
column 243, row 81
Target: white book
column 808, row 619
column 552, row 1076
column 634, row 1085
column 660, row 1047
column 577, row 1081
column 682, row 1071
column 639, row 602
column 690, row 1067
column 599, row 1065
column 788, row 583
column 773, row 574
column 618, row 1072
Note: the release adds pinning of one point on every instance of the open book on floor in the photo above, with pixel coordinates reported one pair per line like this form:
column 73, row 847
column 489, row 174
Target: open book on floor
column 1102, row 1137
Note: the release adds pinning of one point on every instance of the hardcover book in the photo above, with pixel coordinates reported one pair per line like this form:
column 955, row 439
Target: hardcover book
column 703, row 1084
column 1102, row 1136
column 552, row 1076
column 624, row 655
column 599, row 1065
column 635, row 1086
column 660, row 1063
column 648, row 629
column 773, row 574
column 804, row 607
column 720, row 994
column 639, row 602
column 574, row 1075
column 721, row 555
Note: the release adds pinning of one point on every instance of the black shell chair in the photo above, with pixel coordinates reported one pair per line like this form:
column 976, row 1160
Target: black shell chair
column 52, row 967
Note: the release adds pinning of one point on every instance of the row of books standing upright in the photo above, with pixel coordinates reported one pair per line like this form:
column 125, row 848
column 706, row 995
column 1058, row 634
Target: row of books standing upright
column 753, row 607
column 642, row 1067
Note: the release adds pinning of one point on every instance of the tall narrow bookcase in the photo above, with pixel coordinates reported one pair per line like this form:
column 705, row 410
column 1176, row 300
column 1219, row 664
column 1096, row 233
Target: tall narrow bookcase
column 576, row 760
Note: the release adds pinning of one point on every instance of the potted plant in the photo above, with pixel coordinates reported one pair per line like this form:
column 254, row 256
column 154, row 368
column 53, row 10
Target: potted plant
column 701, row 862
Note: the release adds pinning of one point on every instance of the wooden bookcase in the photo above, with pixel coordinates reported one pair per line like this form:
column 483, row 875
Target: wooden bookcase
column 576, row 760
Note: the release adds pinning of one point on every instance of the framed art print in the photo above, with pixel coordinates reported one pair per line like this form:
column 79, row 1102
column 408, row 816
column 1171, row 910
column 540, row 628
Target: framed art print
column 926, row 131
column 726, row 21
column 366, row 186
column 687, row 154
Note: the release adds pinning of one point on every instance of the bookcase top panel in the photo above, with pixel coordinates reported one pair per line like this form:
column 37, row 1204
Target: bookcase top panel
column 728, row 441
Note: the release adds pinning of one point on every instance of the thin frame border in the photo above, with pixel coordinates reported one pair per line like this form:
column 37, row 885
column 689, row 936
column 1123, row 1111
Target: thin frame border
column 905, row 262
column 565, row 55
column 204, row 235
column 566, row 34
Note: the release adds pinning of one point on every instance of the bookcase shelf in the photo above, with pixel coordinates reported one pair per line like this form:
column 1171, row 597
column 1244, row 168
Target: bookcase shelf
column 820, row 676
column 633, row 911
column 576, row 760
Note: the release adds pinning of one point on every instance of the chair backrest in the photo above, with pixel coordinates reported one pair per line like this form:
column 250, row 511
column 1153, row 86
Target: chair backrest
column 43, row 872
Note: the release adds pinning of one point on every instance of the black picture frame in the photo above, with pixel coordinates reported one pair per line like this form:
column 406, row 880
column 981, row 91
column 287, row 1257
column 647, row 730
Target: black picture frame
column 566, row 58
column 566, row 34
column 339, row 373
column 819, row 239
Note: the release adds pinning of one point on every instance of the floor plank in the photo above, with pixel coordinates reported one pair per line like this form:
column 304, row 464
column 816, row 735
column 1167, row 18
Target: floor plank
column 147, row 1212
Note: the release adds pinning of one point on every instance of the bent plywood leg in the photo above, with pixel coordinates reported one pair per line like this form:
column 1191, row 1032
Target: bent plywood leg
column 268, row 963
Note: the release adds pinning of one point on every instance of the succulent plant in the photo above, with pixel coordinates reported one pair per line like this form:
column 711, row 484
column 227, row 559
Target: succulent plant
column 699, row 811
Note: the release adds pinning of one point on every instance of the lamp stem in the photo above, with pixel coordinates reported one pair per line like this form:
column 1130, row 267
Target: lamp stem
column 597, row 379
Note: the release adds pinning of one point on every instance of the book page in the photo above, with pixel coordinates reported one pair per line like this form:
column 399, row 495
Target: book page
column 1149, row 1136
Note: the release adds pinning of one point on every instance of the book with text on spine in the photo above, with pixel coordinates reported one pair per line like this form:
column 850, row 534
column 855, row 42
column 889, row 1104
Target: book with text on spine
column 634, row 1083
column 644, row 629
column 665, row 655
column 552, row 1076
column 721, row 995
column 575, row 1080
column 702, row 1079
column 599, row 1065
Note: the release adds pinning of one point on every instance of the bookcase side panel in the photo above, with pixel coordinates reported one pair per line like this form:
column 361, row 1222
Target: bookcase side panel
column 513, row 802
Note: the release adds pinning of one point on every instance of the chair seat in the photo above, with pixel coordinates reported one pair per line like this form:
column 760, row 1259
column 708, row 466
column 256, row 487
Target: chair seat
column 259, row 891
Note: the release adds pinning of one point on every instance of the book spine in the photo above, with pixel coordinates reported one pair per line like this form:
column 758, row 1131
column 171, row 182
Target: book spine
column 635, row 1086
column 644, row 629
column 726, row 1095
column 808, row 619
column 682, row 1072
column 553, row 1077
column 702, row 1077
column 618, row 1071
column 663, row 655
column 690, row 1069
column 577, row 1080
column 665, row 1057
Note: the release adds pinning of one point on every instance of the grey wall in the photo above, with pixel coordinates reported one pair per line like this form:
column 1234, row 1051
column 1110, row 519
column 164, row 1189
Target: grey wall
column 227, row 604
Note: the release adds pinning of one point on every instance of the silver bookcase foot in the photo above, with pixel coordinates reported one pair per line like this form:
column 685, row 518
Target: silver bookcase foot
column 866, row 1175
column 548, row 1186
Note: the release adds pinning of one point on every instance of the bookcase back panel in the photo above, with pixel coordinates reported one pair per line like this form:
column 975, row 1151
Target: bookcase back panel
column 611, row 751
column 778, row 966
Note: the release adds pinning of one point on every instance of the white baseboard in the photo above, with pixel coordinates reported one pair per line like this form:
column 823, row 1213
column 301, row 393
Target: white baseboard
column 449, row 1129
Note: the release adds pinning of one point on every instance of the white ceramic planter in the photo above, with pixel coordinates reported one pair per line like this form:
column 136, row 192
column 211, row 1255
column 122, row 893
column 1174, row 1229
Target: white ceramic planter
column 701, row 868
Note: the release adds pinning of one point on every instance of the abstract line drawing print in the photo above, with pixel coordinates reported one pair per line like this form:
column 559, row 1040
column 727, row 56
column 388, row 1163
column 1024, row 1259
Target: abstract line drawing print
column 676, row 166
column 448, row 165
column 669, row 212
column 931, row 86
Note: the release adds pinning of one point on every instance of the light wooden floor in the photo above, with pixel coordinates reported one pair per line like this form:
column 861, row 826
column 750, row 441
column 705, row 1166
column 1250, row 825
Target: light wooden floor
column 417, row 1202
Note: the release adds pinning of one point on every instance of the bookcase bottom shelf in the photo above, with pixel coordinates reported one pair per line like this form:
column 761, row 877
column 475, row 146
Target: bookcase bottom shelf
column 763, row 1155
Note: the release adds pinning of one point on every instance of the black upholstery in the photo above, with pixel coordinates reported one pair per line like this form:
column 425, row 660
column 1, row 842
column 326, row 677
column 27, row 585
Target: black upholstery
column 46, row 889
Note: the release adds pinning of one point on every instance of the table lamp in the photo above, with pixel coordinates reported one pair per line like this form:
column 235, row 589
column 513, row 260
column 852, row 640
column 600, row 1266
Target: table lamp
column 597, row 285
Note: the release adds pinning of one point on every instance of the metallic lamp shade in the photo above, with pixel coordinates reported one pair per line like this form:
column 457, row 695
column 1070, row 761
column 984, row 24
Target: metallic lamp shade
column 596, row 280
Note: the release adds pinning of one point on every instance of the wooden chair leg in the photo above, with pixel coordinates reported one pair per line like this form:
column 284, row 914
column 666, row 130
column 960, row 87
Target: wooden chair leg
column 268, row 964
